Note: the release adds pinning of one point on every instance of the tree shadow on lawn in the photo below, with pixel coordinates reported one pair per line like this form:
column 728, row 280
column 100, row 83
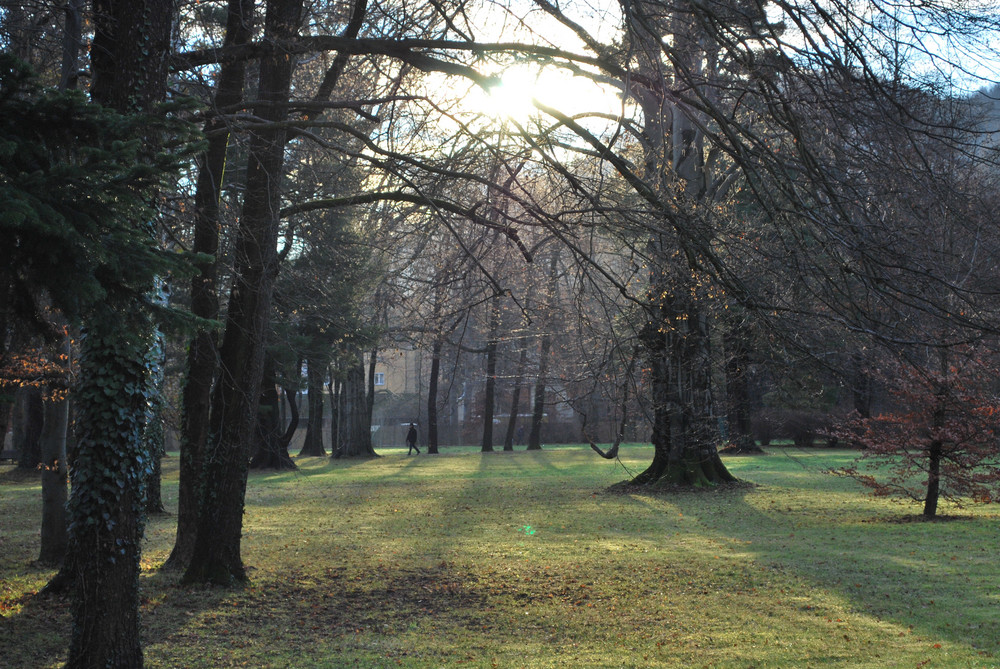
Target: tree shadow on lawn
column 304, row 619
column 938, row 579
column 38, row 634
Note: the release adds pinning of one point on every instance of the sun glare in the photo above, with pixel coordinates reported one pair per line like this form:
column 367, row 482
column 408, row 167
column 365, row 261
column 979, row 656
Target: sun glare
column 513, row 98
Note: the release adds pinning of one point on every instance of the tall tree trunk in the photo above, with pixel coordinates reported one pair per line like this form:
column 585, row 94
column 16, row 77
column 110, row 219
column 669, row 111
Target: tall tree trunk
column 676, row 337
column 684, row 430
column 538, row 410
column 336, row 390
column 216, row 557
column 355, row 422
column 72, row 43
column 313, row 444
column 515, row 399
column 491, row 375
column 538, row 413
column 28, row 419
column 270, row 453
column 106, row 507
column 129, row 53
column 154, row 435
column 432, row 397
column 54, row 536
column 291, row 397
column 738, row 390
column 202, row 355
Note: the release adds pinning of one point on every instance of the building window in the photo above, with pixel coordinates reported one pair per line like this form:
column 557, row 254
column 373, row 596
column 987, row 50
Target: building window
column 379, row 378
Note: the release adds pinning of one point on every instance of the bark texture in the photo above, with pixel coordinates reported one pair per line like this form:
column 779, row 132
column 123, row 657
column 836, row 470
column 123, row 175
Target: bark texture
column 202, row 357
column 216, row 557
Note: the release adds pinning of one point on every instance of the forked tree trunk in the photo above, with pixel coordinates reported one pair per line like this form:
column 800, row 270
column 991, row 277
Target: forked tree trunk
column 202, row 350
column 271, row 452
column 216, row 557
column 293, row 416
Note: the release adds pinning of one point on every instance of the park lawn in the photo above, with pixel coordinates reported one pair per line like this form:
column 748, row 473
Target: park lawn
column 526, row 560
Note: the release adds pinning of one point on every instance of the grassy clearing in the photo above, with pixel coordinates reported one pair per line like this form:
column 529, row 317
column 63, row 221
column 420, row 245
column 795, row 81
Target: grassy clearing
column 522, row 560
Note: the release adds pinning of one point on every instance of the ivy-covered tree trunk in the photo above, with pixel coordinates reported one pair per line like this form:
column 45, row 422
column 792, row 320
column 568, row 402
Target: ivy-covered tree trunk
column 313, row 444
column 202, row 350
column 216, row 557
column 129, row 53
column 106, row 507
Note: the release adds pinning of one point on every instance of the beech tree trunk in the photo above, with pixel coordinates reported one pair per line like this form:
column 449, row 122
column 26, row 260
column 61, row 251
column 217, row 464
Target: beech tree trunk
column 684, row 434
column 676, row 338
column 216, row 557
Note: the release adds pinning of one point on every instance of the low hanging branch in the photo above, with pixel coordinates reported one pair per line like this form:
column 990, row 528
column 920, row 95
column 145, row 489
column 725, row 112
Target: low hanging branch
column 612, row 452
column 415, row 198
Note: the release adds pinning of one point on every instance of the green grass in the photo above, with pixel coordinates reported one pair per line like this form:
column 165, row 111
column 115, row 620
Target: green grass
column 524, row 560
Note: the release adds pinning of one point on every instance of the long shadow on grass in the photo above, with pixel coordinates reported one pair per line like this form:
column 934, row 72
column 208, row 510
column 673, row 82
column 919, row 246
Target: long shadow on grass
column 312, row 618
column 38, row 634
column 936, row 578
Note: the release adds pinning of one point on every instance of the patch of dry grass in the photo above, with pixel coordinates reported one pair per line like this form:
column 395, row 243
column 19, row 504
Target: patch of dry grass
column 523, row 560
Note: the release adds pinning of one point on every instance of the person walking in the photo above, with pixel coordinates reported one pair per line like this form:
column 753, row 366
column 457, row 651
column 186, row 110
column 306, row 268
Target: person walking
column 411, row 440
